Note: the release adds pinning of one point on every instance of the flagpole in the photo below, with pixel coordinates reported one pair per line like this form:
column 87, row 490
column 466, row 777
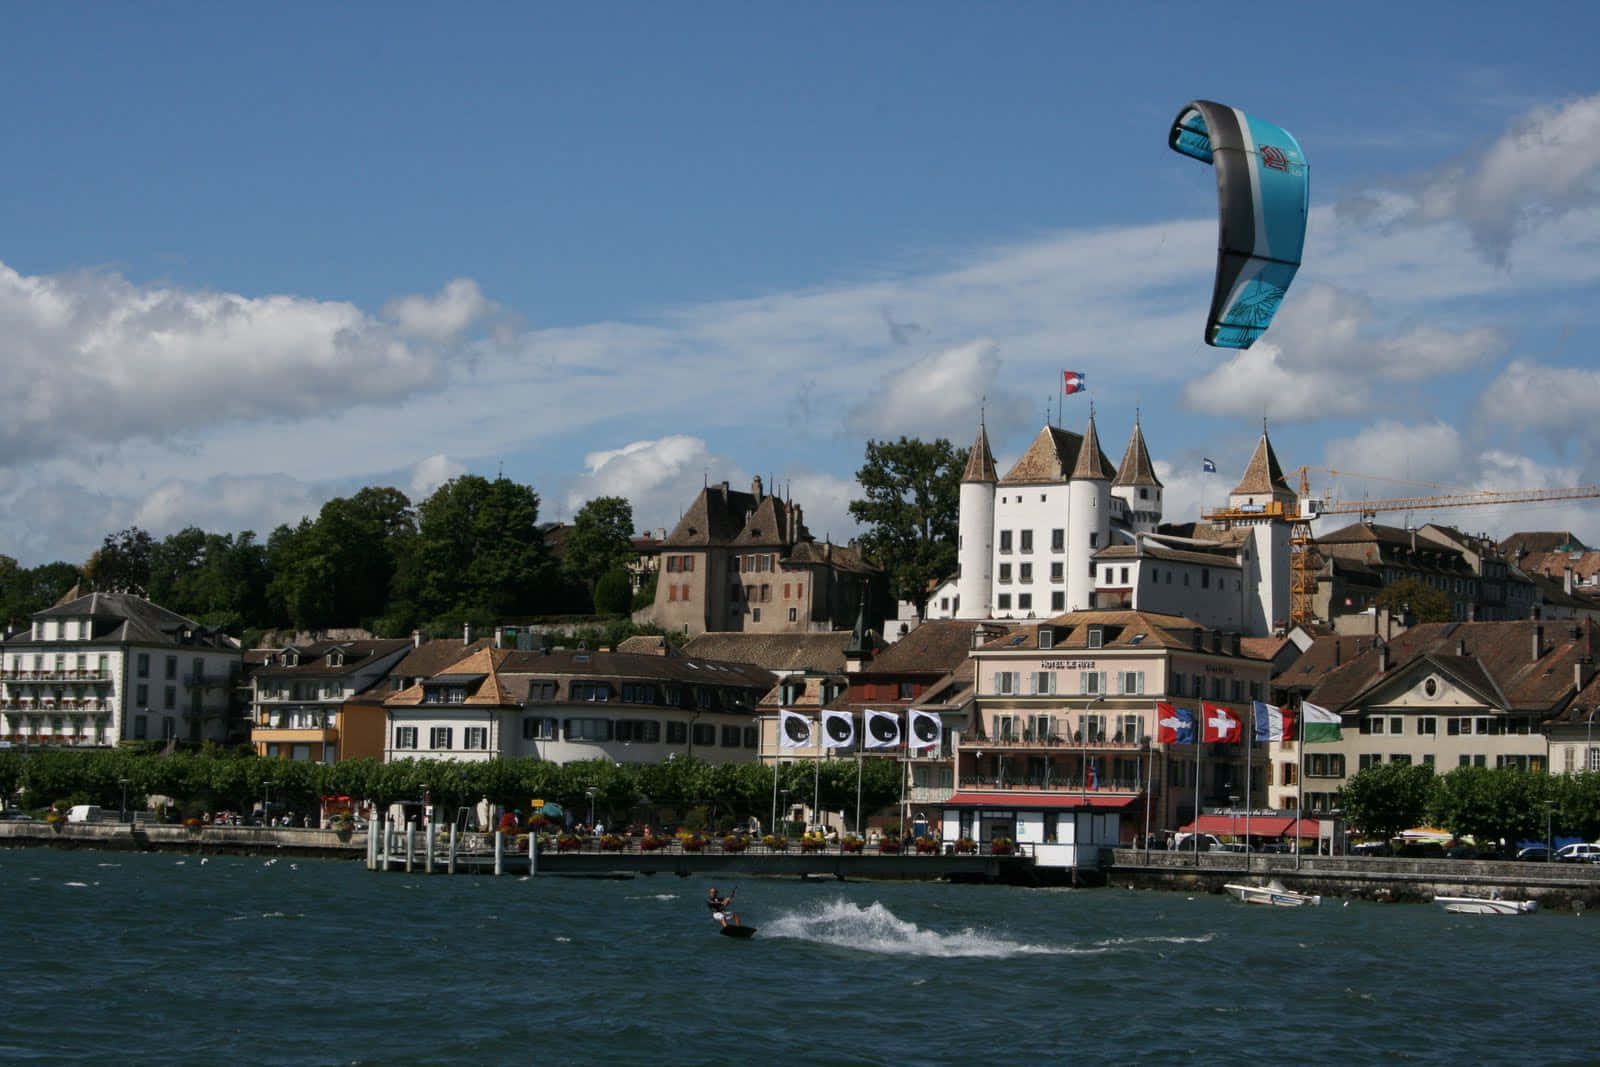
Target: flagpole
column 1300, row 787
column 816, row 784
column 858, row 789
column 1249, row 765
column 1199, row 733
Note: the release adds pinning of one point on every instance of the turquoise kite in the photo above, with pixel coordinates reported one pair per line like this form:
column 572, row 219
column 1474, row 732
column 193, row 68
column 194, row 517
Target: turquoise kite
column 1263, row 190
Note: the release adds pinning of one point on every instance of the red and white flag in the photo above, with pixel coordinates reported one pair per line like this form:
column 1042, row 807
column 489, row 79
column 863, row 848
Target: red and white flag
column 1218, row 724
column 1072, row 382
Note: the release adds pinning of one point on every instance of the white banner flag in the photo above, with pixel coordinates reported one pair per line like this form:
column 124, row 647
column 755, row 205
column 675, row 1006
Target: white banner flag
column 882, row 728
column 794, row 730
column 927, row 729
column 838, row 729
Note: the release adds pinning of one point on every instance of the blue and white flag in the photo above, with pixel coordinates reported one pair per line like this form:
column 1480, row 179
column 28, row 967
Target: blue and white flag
column 1207, row 466
column 1174, row 726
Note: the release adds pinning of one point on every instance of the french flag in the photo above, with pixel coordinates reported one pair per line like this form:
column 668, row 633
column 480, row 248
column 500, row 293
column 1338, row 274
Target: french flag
column 1072, row 382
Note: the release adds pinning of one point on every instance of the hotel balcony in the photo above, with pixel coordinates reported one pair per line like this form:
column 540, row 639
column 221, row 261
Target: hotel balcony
column 52, row 674
column 1027, row 741
column 285, row 735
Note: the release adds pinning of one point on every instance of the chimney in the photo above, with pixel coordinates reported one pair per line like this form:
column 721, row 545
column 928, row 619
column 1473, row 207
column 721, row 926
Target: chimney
column 1461, row 646
column 1338, row 650
column 466, row 633
column 1383, row 659
column 1582, row 671
column 1472, row 612
column 1538, row 641
column 416, row 638
column 1566, row 580
column 1199, row 639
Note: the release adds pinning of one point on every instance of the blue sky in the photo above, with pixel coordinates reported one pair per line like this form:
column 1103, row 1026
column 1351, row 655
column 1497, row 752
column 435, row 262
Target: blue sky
column 250, row 260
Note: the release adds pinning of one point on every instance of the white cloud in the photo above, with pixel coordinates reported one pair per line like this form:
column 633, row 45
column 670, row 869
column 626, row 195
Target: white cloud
column 429, row 474
column 1256, row 382
column 1546, row 164
column 660, row 478
column 442, row 317
column 1427, row 452
column 824, row 502
column 930, row 396
column 1559, row 401
column 93, row 359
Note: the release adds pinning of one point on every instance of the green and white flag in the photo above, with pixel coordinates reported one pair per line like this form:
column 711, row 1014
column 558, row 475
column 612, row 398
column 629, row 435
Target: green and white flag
column 1318, row 724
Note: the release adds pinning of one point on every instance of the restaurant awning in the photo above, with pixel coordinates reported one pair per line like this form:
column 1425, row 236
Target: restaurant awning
column 1038, row 801
column 1259, row 826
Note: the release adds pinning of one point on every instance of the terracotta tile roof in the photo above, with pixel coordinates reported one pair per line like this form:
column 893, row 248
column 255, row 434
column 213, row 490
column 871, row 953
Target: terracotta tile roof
column 715, row 518
column 1049, row 459
column 980, row 461
column 1500, row 654
column 1092, row 464
column 1136, row 468
column 1263, row 475
column 649, row 645
column 1540, row 541
column 1262, row 647
column 937, row 646
column 1120, row 628
column 433, row 656
column 1585, row 564
column 839, row 557
column 1223, row 558
column 815, row 652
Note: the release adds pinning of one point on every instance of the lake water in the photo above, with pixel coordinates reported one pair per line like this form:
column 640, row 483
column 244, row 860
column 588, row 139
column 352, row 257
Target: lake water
column 115, row 957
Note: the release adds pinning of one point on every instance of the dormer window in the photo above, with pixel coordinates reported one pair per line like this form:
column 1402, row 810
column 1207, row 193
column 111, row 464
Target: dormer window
column 1097, row 638
column 1047, row 637
column 336, row 658
column 291, row 658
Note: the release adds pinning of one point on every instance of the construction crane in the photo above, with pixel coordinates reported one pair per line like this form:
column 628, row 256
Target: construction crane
column 1305, row 562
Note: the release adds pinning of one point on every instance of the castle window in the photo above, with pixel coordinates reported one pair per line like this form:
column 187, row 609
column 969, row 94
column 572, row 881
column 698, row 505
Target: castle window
column 1058, row 540
column 1025, row 540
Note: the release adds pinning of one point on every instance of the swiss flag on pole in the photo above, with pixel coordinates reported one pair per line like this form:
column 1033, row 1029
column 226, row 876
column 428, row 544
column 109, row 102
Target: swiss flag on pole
column 1218, row 724
column 1072, row 382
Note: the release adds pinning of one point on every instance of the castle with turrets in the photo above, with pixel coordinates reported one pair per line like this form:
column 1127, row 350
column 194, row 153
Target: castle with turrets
column 1063, row 530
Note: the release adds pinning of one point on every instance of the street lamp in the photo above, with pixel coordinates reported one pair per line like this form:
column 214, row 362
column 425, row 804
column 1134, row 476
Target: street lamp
column 123, row 782
column 266, row 802
column 1233, row 815
column 590, row 794
column 427, row 808
column 785, row 811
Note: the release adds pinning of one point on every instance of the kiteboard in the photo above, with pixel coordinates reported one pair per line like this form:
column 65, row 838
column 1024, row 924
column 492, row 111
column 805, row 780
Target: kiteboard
column 738, row 931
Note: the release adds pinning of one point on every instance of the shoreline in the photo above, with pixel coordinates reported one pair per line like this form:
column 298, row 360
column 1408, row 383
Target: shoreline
column 1557, row 887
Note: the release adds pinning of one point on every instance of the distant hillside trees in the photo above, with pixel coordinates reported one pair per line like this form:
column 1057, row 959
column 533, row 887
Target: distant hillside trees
column 911, row 512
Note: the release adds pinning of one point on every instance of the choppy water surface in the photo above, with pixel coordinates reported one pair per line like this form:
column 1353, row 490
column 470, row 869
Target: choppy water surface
column 179, row 959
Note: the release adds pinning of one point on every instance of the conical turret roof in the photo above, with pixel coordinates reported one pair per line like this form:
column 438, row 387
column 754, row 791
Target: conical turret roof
column 980, row 462
column 1092, row 464
column 1136, row 468
column 1263, row 476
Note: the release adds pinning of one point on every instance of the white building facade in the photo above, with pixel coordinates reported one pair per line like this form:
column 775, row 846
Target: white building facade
column 104, row 668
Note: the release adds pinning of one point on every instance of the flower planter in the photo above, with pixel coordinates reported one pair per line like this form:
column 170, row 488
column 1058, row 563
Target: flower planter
column 693, row 844
column 775, row 843
column 851, row 844
column 734, row 844
column 889, row 845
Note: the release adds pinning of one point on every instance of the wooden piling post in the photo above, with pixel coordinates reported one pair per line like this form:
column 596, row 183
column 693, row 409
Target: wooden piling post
column 533, row 854
column 452, row 848
column 499, row 852
column 411, row 845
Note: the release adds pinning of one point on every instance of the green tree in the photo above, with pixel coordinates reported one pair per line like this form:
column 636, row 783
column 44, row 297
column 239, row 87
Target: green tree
column 1423, row 601
column 1496, row 808
column 613, row 593
column 479, row 554
column 1387, row 798
column 601, row 539
column 911, row 512
column 122, row 562
column 25, row 590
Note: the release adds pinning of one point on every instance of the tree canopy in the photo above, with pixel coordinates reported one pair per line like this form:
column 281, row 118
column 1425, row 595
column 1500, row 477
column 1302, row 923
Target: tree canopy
column 911, row 512
column 601, row 539
column 1387, row 798
column 1423, row 601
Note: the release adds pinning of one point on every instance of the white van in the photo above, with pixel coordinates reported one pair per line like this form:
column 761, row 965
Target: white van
column 1208, row 843
column 85, row 813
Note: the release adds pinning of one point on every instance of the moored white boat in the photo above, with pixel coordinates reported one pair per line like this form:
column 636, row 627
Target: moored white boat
column 1273, row 893
column 1486, row 905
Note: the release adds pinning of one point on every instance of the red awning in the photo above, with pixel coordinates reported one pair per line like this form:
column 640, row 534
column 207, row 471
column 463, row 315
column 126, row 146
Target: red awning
column 1259, row 826
column 1038, row 801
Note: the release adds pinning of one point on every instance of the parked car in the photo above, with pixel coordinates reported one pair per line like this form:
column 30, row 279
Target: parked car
column 1208, row 843
column 1534, row 854
column 1578, row 852
column 15, row 815
column 1372, row 848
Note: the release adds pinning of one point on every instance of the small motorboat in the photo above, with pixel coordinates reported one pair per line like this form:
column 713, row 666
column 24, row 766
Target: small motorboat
column 1275, row 893
column 1486, row 905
